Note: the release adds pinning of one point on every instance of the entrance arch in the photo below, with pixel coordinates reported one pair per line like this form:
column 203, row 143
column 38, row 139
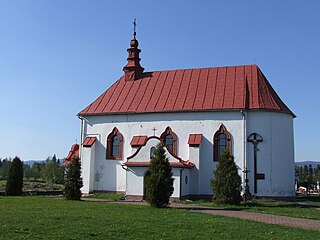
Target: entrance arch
column 146, row 175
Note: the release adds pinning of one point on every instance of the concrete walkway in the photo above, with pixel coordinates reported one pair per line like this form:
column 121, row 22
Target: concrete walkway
column 258, row 217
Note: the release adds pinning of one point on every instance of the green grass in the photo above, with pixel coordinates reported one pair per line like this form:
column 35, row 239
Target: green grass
column 291, row 209
column 110, row 196
column 49, row 218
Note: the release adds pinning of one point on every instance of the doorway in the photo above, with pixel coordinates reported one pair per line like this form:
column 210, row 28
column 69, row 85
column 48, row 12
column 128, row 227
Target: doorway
column 146, row 175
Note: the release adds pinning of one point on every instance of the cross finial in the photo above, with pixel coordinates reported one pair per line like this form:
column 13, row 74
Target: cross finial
column 76, row 141
column 154, row 131
column 134, row 28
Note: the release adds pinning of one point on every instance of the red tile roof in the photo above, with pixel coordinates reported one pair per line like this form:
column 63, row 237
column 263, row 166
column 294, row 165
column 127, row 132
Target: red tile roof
column 73, row 153
column 195, row 139
column 204, row 89
column 89, row 141
column 138, row 141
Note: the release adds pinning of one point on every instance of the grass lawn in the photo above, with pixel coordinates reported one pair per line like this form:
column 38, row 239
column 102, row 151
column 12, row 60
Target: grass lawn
column 291, row 209
column 49, row 218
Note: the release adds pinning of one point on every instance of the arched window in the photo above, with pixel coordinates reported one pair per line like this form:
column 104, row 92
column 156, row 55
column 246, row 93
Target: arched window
column 221, row 141
column 152, row 151
column 114, row 145
column 170, row 139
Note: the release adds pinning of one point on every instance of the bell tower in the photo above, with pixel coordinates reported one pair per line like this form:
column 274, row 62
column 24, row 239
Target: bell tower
column 133, row 69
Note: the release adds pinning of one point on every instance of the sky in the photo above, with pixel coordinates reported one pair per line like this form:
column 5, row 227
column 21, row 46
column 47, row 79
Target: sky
column 56, row 57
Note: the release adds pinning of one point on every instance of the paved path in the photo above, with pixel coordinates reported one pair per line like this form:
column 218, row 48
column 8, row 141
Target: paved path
column 258, row 217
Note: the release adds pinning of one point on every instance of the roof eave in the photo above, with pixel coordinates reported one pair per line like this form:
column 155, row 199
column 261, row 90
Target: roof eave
column 187, row 111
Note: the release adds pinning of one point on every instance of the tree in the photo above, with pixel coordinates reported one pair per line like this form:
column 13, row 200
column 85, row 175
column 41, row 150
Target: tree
column 15, row 178
column 73, row 182
column 36, row 170
column 5, row 166
column 27, row 172
column 52, row 172
column 226, row 183
column 317, row 175
column 159, row 184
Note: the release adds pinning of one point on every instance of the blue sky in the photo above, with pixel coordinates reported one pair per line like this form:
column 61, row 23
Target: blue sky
column 57, row 56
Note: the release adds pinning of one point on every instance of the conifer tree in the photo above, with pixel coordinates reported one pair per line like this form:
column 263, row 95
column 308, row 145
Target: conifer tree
column 15, row 178
column 226, row 182
column 73, row 182
column 159, row 184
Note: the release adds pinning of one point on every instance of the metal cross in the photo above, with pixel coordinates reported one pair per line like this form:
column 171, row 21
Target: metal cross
column 76, row 141
column 246, row 193
column 154, row 131
column 255, row 139
column 134, row 28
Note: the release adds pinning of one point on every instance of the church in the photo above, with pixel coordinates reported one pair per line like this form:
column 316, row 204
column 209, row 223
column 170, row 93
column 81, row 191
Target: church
column 197, row 114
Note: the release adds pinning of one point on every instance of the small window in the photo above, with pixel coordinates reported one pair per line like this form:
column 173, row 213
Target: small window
column 169, row 138
column 152, row 152
column 186, row 180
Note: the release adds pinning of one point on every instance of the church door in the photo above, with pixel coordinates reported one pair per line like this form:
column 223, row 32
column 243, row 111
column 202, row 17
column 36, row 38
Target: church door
column 147, row 174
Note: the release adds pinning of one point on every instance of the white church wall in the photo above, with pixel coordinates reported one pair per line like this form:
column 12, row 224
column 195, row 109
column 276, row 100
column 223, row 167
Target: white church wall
column 176, row 182
column 194, row 177
column 135, row 178
column 275, row 157
column 87, row 162
column 185, row 182
column 114, row 178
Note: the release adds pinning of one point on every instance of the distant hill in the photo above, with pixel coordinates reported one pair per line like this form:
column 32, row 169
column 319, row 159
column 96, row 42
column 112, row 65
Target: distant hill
column 313, row 163
column 31, row 162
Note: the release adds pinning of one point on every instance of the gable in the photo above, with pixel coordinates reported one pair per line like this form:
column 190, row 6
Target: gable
column 142, row 155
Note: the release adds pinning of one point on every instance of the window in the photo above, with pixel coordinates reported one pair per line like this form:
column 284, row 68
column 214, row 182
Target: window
column 169, row 141
column 114, row 145
column 152, row 151
column 169, row 138
column 221, row 141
